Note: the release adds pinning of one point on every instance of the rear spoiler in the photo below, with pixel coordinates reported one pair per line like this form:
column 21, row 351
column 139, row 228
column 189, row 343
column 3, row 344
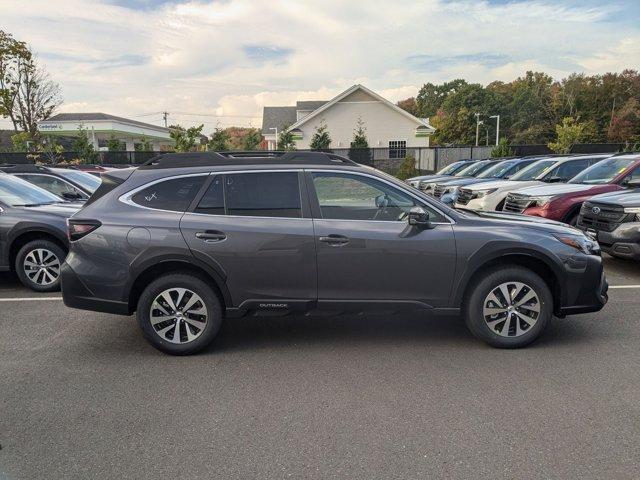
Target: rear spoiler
column 110, row 180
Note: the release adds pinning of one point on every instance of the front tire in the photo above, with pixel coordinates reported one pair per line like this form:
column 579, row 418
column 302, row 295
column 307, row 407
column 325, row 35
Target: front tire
column 38, row 265
column 179, row 314
column 509, row 308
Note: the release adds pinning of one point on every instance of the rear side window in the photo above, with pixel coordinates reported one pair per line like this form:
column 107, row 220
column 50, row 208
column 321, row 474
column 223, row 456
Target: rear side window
column 174, row 195
column 272, row 194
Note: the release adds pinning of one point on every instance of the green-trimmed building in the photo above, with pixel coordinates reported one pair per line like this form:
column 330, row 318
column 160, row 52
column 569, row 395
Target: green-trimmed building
column 101, row 127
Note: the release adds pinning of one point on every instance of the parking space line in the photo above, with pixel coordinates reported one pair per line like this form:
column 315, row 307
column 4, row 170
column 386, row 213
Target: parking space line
column 624, row 286
column 29, row 299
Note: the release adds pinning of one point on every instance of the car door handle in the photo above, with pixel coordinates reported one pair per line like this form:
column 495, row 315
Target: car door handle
column 211, row 236
column 335, row 240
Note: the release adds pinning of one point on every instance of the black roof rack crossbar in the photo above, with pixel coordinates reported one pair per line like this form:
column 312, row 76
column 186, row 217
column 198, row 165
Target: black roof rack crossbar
column 203, row 159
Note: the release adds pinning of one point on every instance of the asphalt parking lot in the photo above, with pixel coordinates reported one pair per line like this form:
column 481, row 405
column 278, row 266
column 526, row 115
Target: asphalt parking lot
column 82, row 395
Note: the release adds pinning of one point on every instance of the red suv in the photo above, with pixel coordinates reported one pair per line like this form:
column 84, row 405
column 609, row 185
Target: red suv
column 563, row 202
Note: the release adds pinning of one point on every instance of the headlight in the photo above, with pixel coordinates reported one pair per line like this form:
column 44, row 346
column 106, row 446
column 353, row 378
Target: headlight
column 541, row 200
column 581, row 243
column 426, row 186
column 484, row 193
column 451, row 190
column 635, row 210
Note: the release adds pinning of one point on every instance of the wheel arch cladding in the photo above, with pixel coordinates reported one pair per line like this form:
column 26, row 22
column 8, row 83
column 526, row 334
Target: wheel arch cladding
column 168, row 266
column 21, row 238
column 531, row 260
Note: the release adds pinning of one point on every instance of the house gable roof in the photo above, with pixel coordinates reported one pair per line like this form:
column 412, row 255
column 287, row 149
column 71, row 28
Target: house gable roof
column 277, row 117
column 419, row 121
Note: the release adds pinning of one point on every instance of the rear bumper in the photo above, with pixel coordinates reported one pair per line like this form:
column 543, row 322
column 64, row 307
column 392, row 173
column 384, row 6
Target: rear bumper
column 585, row 286
column 76, row 294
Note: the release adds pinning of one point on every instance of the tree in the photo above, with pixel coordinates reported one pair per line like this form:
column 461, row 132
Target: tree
column 27, row 94
column 22, row 142
column 407, row 168
column 321, row 140
column 83, row 148
column 13, row 54
column 114, row 145
column 144, row 145
column 219, row 140
column 50, row 148
column 285, row 139
column 502, row 149
column 185, row 140
column 625, row 124
column 568, row 133
column 409, row 105
column 359, row 150
column 252, row 139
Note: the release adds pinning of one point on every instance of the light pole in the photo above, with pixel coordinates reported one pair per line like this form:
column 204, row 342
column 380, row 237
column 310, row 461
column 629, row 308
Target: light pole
column 497, row 117
column 478, row 122
column 276, row 130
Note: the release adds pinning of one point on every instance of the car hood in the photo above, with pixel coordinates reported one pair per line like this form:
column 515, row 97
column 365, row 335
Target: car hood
column 624, row 198
column 461, row 182
column 555, row 189
column 429, row 178
column 529, row 221
column 60, row 210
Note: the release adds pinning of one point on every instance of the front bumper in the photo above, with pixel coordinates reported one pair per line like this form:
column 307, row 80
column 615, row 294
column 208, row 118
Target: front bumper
column 623, row 242
column 585, row 286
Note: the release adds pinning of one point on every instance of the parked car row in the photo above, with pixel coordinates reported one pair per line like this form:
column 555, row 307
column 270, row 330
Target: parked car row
column 571, row 189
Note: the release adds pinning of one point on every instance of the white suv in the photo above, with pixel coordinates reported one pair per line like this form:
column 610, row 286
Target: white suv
column 490, row 196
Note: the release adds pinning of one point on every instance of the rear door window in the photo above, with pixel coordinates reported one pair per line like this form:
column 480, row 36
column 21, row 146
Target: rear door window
column 268, row 194
column 174, row 195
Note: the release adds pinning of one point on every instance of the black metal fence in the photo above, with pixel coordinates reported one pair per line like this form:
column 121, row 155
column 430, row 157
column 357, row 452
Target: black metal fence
column 427, row 159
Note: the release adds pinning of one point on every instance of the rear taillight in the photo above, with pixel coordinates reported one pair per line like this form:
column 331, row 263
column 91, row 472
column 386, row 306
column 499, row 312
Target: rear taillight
column 78, row 228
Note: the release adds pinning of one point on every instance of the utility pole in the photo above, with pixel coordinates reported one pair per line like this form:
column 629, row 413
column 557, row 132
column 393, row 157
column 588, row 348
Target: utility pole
column 164, row 116
column 497, row 117
column 478, row 122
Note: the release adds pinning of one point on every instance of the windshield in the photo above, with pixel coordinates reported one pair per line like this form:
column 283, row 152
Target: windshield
column 532, row 172
column 604, row 171
column 85, row 180
column 451, row 169
column 17, row 192
column 473, row 169
column 497, row 171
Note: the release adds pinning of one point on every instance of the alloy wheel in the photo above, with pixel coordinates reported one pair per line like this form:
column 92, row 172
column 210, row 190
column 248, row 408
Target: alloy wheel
column 41, row 266
column 511, row 309
column 178, row 315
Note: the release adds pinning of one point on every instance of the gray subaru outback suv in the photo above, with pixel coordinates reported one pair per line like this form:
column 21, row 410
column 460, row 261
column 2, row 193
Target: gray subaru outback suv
column 189, row 239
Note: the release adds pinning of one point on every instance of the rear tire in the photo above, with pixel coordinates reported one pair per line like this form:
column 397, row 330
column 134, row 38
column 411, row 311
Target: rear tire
column 179, row 314
column 509, row 308
column 38, row 265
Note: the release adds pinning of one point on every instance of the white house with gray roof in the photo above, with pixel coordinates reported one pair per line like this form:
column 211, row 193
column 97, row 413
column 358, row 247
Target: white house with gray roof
column 102, row 126
column 387, row 125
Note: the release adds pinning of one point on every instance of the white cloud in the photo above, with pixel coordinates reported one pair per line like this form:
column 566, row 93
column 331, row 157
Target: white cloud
column 209, row 57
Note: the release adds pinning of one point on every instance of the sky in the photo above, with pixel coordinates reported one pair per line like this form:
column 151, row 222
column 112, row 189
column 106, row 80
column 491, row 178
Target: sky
column 219, row 62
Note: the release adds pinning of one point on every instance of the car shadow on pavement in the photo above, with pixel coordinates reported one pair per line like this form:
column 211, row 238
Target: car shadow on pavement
column 421, row 330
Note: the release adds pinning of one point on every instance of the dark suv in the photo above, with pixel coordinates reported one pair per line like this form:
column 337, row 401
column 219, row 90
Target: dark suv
column 614, row 220
column 33, row 233
column 191, row 238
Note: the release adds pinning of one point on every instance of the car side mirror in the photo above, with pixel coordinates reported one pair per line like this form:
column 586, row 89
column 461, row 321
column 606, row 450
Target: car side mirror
column 419, row 217
column 635, row 183
column 557, row 180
